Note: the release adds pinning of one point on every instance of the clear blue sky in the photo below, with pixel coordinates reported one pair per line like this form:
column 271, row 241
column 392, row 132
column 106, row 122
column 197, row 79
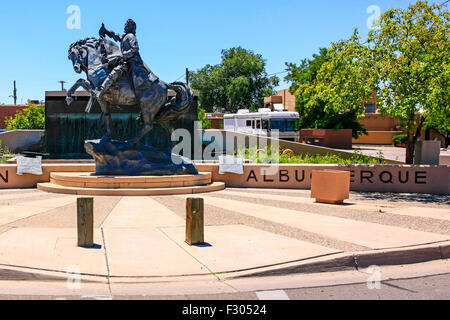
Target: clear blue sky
column 172, row 35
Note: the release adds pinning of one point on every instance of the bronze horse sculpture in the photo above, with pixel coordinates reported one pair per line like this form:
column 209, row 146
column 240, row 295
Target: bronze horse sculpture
column 118, row 77
column 93, row 56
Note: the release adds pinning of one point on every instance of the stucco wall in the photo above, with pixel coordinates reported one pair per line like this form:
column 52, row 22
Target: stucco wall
column 368, row 178
column 20, row 140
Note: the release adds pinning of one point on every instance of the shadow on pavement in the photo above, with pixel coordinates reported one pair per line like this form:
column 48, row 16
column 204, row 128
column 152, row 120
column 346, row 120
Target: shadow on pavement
column 402, row 197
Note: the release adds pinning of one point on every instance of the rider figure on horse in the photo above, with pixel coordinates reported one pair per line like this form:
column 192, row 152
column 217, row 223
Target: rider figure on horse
column 131, row 62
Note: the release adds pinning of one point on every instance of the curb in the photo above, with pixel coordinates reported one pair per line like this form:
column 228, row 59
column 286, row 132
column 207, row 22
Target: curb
column 334, row 263
column 352, row 261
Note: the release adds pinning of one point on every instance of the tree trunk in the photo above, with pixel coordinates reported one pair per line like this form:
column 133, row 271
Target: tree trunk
column 410, row 146
column 411, row 143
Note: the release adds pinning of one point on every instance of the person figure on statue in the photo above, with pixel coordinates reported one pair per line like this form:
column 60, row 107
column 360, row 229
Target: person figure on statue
column 131, row 62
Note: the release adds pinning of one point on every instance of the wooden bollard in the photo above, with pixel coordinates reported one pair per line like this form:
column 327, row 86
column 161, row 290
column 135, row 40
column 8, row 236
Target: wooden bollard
column 195, row 230
column 85, row 214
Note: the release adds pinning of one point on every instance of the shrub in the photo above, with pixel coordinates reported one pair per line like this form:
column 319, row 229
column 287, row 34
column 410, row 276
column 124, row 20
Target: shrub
column 267, row 157
column 399, row 139
column 31, row 118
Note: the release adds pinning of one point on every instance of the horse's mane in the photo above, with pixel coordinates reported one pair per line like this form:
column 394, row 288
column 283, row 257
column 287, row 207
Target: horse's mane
column 95, row 44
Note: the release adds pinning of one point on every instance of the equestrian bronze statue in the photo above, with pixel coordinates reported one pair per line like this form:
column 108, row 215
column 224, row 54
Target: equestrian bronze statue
column 119, row 76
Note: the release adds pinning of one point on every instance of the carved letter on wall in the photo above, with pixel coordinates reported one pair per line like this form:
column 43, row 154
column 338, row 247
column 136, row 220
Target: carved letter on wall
column 252, row 175
column 386, row 173
column 5, row 178
column 284, row 176
column 303, row 176
column 421, row 175
column 265, row 177
column 368, row 175
column 400, row 177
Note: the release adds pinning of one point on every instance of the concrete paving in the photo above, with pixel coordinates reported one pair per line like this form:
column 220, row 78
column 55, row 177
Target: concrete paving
column 366, row 234
column 142, row 238
column 304, row 200
column 133, row 212
column 233, row 248
column 52, row 249
column 440, row 214
column 147, row 252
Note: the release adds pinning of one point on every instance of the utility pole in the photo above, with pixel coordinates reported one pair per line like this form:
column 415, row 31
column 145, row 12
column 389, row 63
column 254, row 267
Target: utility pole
column 62, row 85
column 187, row 76
column 15, row 93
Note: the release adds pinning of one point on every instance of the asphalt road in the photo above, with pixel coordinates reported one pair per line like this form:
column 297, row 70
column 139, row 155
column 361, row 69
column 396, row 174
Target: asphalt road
column 431, row 287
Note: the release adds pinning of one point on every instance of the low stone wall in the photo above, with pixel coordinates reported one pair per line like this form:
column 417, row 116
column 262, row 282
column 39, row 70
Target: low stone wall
column 368, row 178
column 20, row 140
column 329, row 138
column 10, row 180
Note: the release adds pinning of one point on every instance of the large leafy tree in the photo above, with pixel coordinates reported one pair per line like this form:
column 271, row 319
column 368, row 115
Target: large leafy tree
column 405, row 59
column 330, row 88
column 410, row 56
column 239, row 81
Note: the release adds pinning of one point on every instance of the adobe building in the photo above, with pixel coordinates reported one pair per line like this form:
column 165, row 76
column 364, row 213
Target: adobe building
column 7, row 111
column 287, row 99
column 216, row 120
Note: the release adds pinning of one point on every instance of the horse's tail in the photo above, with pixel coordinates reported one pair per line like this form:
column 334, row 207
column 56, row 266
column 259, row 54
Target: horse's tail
column 178, row 105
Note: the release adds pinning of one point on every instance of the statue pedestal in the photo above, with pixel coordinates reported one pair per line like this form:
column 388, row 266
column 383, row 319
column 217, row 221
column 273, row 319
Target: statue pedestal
column 85, row 183
column 120, row 158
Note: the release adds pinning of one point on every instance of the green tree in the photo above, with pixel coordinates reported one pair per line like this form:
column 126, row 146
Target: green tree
column 31, row 118
column 410, row 57
column 325, row 101
column 239, row 81
column 206, row 123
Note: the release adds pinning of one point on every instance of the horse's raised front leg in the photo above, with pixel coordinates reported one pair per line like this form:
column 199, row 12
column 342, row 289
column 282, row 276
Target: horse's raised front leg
column 80, row 83
column 106, row 109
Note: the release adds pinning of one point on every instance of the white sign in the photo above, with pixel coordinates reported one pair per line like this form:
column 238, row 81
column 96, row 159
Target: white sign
column 230, row 164
column 29, row 165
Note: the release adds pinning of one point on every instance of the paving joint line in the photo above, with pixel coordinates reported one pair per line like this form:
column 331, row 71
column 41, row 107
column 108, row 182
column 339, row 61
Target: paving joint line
column 109, row 213
column 107, row 263
column 210, row 271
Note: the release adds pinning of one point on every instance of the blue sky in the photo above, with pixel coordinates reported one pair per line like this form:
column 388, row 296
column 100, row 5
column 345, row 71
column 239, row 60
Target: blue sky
column 172, row 35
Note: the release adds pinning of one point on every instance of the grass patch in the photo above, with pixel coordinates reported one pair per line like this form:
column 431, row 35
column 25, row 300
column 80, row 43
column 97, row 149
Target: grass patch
column 5, row 154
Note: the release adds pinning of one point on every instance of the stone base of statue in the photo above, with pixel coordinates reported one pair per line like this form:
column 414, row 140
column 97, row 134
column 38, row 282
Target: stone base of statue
column 91, row 184
column 120, row 158
column 123, row 169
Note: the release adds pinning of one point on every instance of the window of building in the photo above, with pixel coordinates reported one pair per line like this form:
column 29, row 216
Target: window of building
column 370, row 107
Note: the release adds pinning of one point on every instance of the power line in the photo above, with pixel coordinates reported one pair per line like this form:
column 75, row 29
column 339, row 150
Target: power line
column 269, row 75
column 183, row 75
column 274, row 74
